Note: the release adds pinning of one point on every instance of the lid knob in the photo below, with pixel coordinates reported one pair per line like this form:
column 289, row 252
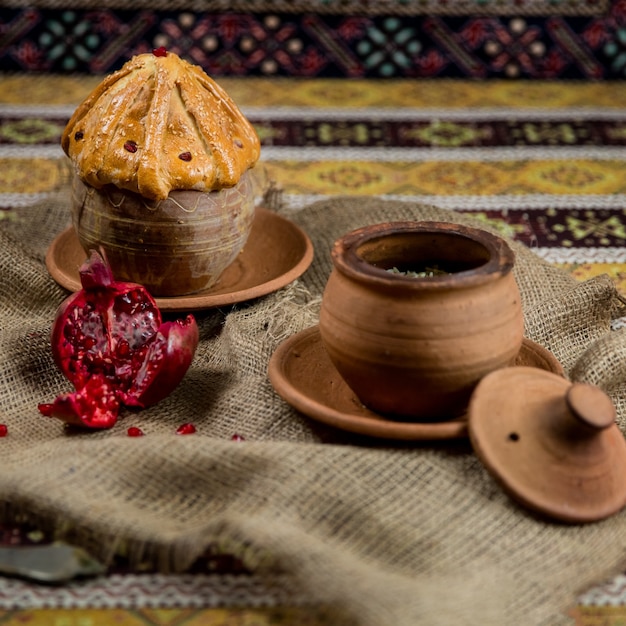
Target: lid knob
column 591, row 407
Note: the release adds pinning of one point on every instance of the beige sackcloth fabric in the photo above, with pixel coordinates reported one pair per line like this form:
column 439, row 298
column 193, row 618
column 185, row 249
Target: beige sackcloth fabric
column 374, row 533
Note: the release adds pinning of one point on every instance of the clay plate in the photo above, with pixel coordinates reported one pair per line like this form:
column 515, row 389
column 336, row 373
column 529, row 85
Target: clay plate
column 276, row 253
column 303, row 375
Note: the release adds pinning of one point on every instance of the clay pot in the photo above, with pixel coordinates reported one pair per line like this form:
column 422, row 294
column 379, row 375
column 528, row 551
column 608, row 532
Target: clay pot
column 173, row 247
column 416, row 347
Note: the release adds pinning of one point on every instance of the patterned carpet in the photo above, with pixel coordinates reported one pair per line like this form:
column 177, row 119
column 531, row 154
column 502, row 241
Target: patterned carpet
column 582, row 39
column 542, row 161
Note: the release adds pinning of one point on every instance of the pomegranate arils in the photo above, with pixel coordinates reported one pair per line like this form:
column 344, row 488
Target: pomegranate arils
column 168, row 354
column 237, row 437
column 122, row 349
column 130, row 146
column 134, row 431
column 160, row 52
column 185, row 156
column 94, row 405
column 186, row 429
column 4, row 431
column 89, row 342
column 108, row 339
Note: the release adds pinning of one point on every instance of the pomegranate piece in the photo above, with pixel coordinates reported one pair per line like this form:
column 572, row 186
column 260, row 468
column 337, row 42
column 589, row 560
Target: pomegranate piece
column 186, row 429
column 94, row 405
column 109, row 340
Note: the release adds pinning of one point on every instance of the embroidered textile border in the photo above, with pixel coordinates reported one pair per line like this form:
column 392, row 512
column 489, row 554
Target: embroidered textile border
column 480, row 44
column 349, row 7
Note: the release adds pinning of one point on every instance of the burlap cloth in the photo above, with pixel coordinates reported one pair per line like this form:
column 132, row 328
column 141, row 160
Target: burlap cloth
column 369, row 532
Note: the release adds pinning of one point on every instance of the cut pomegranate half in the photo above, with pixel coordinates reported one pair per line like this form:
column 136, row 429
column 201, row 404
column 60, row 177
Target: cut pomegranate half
column 109, row 340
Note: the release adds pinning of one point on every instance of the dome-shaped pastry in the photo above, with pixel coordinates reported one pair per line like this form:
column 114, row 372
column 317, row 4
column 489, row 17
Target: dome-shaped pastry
column 160, row 124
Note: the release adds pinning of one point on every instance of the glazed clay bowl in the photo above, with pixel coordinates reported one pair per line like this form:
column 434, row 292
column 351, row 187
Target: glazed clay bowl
column 173, row 247
column 416, row 347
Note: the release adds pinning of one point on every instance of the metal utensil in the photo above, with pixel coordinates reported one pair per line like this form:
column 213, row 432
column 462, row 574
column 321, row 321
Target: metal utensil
column 50, row 563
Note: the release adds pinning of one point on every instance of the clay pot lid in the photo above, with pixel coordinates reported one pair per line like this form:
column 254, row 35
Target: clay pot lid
column 553, row 445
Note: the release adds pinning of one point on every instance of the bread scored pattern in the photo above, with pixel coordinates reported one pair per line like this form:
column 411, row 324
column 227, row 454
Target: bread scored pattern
column 160, row 124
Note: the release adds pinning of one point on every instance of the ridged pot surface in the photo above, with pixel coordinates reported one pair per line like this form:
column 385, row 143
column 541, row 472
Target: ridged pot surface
column 417, row 347
column 173, row 247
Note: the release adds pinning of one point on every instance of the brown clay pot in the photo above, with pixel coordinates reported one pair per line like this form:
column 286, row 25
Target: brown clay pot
column 173, row 247
column 417, row 347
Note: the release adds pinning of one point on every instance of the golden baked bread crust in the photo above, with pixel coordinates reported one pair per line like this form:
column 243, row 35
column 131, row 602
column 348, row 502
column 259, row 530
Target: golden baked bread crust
column 158, row 124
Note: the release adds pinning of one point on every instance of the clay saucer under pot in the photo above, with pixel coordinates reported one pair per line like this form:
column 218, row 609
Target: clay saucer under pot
column 302, row 373
column 276, row 253
column 554, row 446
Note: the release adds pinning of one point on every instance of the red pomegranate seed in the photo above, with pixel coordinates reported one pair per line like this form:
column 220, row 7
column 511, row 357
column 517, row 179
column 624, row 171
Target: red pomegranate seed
column 131, row 146
column 237, row 437
column 133, row 431
column 186, row 429
column 185, row 156
column 3, row 430
column 160, row 52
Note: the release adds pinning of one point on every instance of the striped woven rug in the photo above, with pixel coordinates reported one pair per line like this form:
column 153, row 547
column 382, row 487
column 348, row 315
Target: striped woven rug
column 544, row 162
